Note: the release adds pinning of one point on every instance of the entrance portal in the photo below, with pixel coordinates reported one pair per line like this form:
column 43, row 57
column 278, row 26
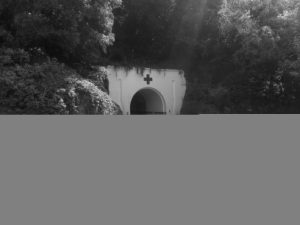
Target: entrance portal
column 147, row 101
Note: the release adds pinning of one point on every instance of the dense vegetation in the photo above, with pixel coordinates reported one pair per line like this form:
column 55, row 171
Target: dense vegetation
column 240, row 56
column 47, row 53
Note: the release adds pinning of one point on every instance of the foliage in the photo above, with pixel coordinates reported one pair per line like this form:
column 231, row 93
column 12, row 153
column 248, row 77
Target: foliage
column 36, row 38
column 248, row 47
column 142, row 31
column 203, row 99
column 263, row 35
column 73, row 31
column 83, row 97
column 164, row 33
column 244, row 54
column 42, row 88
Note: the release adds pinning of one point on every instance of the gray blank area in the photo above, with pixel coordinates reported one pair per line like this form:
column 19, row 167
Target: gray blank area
column 153, row 171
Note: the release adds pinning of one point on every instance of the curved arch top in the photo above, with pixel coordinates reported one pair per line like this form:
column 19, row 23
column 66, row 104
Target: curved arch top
column 147, row 101
column 169, row 85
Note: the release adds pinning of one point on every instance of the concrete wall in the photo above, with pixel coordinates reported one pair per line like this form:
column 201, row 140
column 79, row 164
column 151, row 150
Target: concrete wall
column 125, row 83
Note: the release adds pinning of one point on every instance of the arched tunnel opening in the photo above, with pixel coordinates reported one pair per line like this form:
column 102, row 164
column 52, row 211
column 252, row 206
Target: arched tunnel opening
column 147, row 102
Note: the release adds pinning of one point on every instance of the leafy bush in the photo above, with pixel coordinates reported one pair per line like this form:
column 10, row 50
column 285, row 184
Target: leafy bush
column 37, row 89
column 82, row 96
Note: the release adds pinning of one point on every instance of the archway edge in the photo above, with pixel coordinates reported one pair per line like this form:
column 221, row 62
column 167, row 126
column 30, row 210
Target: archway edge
column 157, row 92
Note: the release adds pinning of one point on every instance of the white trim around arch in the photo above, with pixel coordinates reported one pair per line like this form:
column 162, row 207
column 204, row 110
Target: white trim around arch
column 158, row 93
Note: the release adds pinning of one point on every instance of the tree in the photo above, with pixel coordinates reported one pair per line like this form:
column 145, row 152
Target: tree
column 262, row 34
column 73, row 31
column 168, row 32
column 142, row 31
column 37, row 39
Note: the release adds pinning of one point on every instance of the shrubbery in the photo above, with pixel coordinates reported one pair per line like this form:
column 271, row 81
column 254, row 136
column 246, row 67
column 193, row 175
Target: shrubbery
column 49, row 88
column 44, row 46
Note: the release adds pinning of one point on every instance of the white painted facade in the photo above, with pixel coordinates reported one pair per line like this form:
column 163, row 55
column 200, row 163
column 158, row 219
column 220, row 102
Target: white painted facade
column 167, row 85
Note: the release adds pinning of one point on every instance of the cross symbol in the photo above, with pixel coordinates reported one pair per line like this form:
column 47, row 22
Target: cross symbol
column 148, row 79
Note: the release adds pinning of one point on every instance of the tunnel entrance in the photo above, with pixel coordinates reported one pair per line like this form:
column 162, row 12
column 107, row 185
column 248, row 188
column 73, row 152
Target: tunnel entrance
column 147, row 102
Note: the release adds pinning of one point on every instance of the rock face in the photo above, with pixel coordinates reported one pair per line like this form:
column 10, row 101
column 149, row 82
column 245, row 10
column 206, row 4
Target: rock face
column 50, row 88
column 82, row 96
column 91, row 95
column 88, row 96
